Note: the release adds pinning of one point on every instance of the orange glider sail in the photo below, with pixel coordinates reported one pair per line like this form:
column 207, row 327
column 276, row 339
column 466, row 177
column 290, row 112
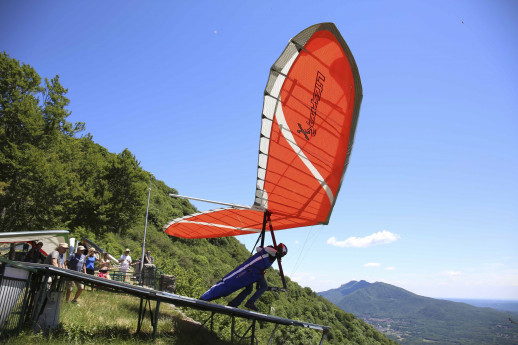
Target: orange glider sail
column 310, row 111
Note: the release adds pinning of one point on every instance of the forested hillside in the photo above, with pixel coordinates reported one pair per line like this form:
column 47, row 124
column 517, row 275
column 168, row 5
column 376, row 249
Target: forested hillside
column 53, row 176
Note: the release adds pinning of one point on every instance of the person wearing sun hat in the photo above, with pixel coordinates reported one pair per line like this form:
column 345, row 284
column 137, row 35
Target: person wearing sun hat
column 55, row 258
column 125, row 262
column 76, row 262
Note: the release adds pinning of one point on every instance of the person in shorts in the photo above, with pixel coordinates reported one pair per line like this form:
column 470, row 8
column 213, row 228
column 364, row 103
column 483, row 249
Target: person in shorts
column 104, row 266
column 76, row 262
column 125, row 263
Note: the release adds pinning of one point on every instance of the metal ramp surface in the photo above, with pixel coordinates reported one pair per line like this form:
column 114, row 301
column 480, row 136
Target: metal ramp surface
column 147, row 295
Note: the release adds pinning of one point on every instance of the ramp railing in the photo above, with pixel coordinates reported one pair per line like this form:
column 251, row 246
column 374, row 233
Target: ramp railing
column 15, row 294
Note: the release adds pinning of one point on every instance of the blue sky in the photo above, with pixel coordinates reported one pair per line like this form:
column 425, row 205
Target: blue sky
column 429, row 202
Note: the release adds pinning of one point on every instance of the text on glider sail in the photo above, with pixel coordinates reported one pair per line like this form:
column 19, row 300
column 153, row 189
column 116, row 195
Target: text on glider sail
column 317, row 94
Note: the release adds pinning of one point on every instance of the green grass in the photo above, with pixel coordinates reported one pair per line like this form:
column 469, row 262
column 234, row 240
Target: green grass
column 107, row 318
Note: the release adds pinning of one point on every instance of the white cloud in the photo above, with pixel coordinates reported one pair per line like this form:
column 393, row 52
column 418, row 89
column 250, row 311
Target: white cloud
column 381, row 237
column 297, row 242
column 372, row 264
column 452, row 273
column 391, row 268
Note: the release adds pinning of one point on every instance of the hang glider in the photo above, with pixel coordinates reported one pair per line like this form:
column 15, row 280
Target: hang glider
column 310, row 111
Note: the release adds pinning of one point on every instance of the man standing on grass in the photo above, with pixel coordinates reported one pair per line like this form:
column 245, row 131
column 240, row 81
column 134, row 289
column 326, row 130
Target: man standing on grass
column 125, row 262
column 76, row 262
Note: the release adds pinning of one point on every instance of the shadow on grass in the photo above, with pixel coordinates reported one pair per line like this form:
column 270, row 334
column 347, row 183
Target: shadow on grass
column 81, row 326
column 184, row 331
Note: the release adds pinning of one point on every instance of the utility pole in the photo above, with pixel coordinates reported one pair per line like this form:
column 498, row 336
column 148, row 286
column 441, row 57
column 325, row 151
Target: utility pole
column 145, row 231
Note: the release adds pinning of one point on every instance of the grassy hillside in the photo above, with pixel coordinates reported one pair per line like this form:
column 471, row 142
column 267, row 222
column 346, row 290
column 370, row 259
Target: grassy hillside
column 108, row 318
column 412, row 319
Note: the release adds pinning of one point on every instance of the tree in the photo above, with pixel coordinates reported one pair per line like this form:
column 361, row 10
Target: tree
column 20, row 115
column 36, row 186
column 55, row 113
column 127, row 188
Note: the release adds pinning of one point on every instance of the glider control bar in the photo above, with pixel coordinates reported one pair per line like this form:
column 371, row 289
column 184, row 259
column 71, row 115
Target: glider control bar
column 266, row 218
column 275, row 244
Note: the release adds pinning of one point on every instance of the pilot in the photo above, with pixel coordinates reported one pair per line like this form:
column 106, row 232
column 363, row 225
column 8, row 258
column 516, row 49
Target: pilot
column 245, row 275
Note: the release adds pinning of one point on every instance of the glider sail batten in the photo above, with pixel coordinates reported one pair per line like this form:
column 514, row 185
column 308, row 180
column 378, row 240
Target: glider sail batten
column 270, row 108
column 310, row 111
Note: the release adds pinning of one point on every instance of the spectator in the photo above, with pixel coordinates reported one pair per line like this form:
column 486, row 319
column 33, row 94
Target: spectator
column 55, row 258
column 76, row 262
column 25, row 252
column 105, row 266
column 90, row 261
column 34, row 255
column 148, row 259
column 125, row 262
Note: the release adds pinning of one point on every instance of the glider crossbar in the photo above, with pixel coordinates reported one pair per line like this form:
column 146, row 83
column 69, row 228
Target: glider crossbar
column 243, row 207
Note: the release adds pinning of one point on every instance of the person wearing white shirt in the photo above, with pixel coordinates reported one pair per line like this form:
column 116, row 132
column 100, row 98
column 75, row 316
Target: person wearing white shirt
column 125, row 262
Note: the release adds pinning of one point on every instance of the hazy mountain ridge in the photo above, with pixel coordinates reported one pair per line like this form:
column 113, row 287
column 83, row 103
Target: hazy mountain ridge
column 502, row 305
column 412, row 319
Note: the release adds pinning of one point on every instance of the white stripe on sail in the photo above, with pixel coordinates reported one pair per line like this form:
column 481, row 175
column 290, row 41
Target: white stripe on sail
column 220, row 226
column 181, row 219
column 285, row 130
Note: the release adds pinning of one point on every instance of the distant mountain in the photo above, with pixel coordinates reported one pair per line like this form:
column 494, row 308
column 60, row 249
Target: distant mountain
column 413, row 319
column 344, row 290
column 502, row 305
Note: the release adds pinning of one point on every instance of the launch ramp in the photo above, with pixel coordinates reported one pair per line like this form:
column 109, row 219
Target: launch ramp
column 147, row 295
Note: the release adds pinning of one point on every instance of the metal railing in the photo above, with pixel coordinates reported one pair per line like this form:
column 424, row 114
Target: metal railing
column 15, row 296
column 151, row 276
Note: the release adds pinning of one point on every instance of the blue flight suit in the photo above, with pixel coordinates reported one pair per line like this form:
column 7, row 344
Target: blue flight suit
column 249, row 272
